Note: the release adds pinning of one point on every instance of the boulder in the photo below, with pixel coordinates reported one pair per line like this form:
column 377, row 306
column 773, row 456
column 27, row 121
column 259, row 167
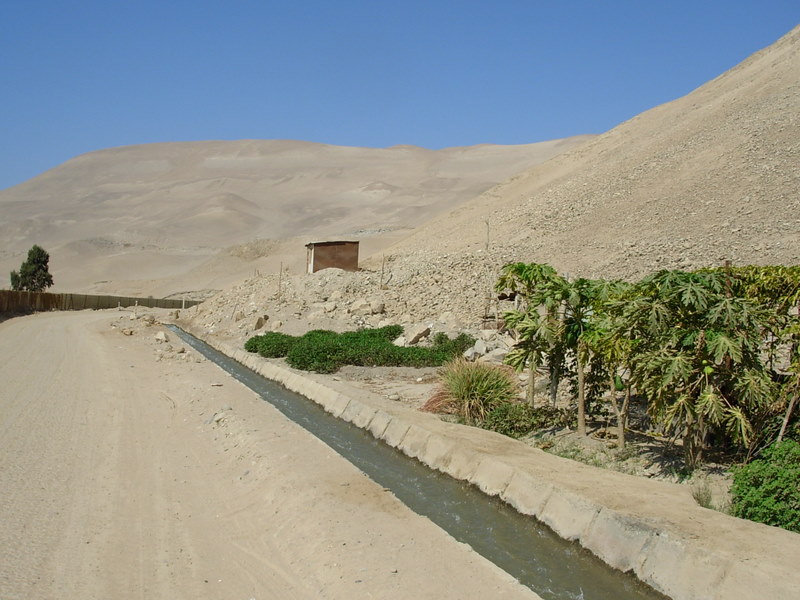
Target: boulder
column 450, row 321
column 377, row 307
column 360, row 308
column 260, row 322
column 416, row 334
column 497, row 355
column 161, row 337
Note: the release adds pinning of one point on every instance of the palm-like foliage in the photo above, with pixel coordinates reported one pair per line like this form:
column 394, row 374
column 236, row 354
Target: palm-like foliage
column 701, row 347
column 536, row 321
column 699, row 362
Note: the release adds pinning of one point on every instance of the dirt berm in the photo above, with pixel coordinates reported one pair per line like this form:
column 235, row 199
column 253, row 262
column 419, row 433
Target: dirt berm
column 652, row 528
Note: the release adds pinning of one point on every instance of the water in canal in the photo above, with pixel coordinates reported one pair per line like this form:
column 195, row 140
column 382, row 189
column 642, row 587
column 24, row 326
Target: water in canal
column 520, row 545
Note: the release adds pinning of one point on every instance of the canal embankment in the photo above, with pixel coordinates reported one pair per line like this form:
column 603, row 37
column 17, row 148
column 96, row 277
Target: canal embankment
column 652, row 529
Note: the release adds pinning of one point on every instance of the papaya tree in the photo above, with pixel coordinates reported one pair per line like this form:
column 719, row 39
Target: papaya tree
column 699, row 360
column 613, row 347
column 778, row 288
column 535, row 320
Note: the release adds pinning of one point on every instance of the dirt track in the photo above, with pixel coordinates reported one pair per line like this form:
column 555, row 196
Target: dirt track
column 117, row 483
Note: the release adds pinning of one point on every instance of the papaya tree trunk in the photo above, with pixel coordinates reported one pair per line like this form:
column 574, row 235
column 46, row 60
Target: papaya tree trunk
column 555, row 378
column 620, row 414
column 581, row 395
column 622, row 423
column 531, row 391
column 788, row 415
column 694, row 442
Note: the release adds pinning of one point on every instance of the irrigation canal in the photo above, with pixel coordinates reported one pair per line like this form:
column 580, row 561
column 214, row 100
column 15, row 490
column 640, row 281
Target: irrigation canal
column 525, row 548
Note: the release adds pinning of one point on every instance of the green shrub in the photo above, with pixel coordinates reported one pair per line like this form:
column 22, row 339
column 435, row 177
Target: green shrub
column 251, row 345
column 318, row 350
column 443, row 344
column 325, row 351
column 767, row 490
column 473, row 390
column 547, row 417
column 270, row 345
column 513, row 419
column 517, row 419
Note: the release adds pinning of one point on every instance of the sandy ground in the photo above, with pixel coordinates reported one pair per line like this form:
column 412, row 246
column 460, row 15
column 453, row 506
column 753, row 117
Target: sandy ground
column 117, row 482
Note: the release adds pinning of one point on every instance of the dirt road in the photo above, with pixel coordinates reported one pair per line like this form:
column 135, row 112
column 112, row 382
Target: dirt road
column 129, row 469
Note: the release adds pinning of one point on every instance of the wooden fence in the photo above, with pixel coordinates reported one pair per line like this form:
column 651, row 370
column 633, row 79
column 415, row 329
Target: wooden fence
column 24, row 302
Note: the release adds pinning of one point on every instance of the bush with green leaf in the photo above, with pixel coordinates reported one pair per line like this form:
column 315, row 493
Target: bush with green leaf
column 767, row 490
column 270, row 345
column 318, row 350
column 513, row 419
column 326, row 351
column 516, row 419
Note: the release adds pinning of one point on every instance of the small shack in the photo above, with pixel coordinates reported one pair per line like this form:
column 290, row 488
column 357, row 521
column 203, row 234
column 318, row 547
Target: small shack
column 324, row 255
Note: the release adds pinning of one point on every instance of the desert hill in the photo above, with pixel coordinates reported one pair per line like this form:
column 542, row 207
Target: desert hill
column 709, row 177
column 160, row 211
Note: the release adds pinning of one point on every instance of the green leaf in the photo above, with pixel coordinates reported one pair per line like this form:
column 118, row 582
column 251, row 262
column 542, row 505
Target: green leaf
column 720, row 346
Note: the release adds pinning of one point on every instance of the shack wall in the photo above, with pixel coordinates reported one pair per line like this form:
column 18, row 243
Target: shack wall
column 326, row 255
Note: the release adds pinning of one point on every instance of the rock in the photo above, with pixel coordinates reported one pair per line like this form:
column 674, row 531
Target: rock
column 161, row 337
column 329, row 307
column 127, row 331
column 450, row 321
column 480, row 347
column 277, row 325
column 360, row 307
column 377, row 307
column 497, row 355
column 470, row 354
column 260, row 322
column 238, row 316
column 401, row 341
column 181, row 350
column 417, row 334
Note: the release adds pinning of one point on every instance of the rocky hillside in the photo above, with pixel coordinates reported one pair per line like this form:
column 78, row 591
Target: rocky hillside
column 161, row 211
column 709, row 177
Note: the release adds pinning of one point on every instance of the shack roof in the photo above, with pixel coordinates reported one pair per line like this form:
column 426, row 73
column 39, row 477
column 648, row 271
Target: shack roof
column 336, row 243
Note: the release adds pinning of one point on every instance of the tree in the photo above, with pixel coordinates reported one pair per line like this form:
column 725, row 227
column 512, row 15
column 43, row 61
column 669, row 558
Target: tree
column 536, row 321
column 699, row 358
column 612, row 346
column 33, row 275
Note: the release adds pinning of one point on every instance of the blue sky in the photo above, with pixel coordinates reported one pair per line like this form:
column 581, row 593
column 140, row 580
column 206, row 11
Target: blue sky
column 85, row 75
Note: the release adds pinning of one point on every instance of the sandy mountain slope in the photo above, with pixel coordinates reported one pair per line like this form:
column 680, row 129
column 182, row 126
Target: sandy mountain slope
column 709, row 177
column 157, row 211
